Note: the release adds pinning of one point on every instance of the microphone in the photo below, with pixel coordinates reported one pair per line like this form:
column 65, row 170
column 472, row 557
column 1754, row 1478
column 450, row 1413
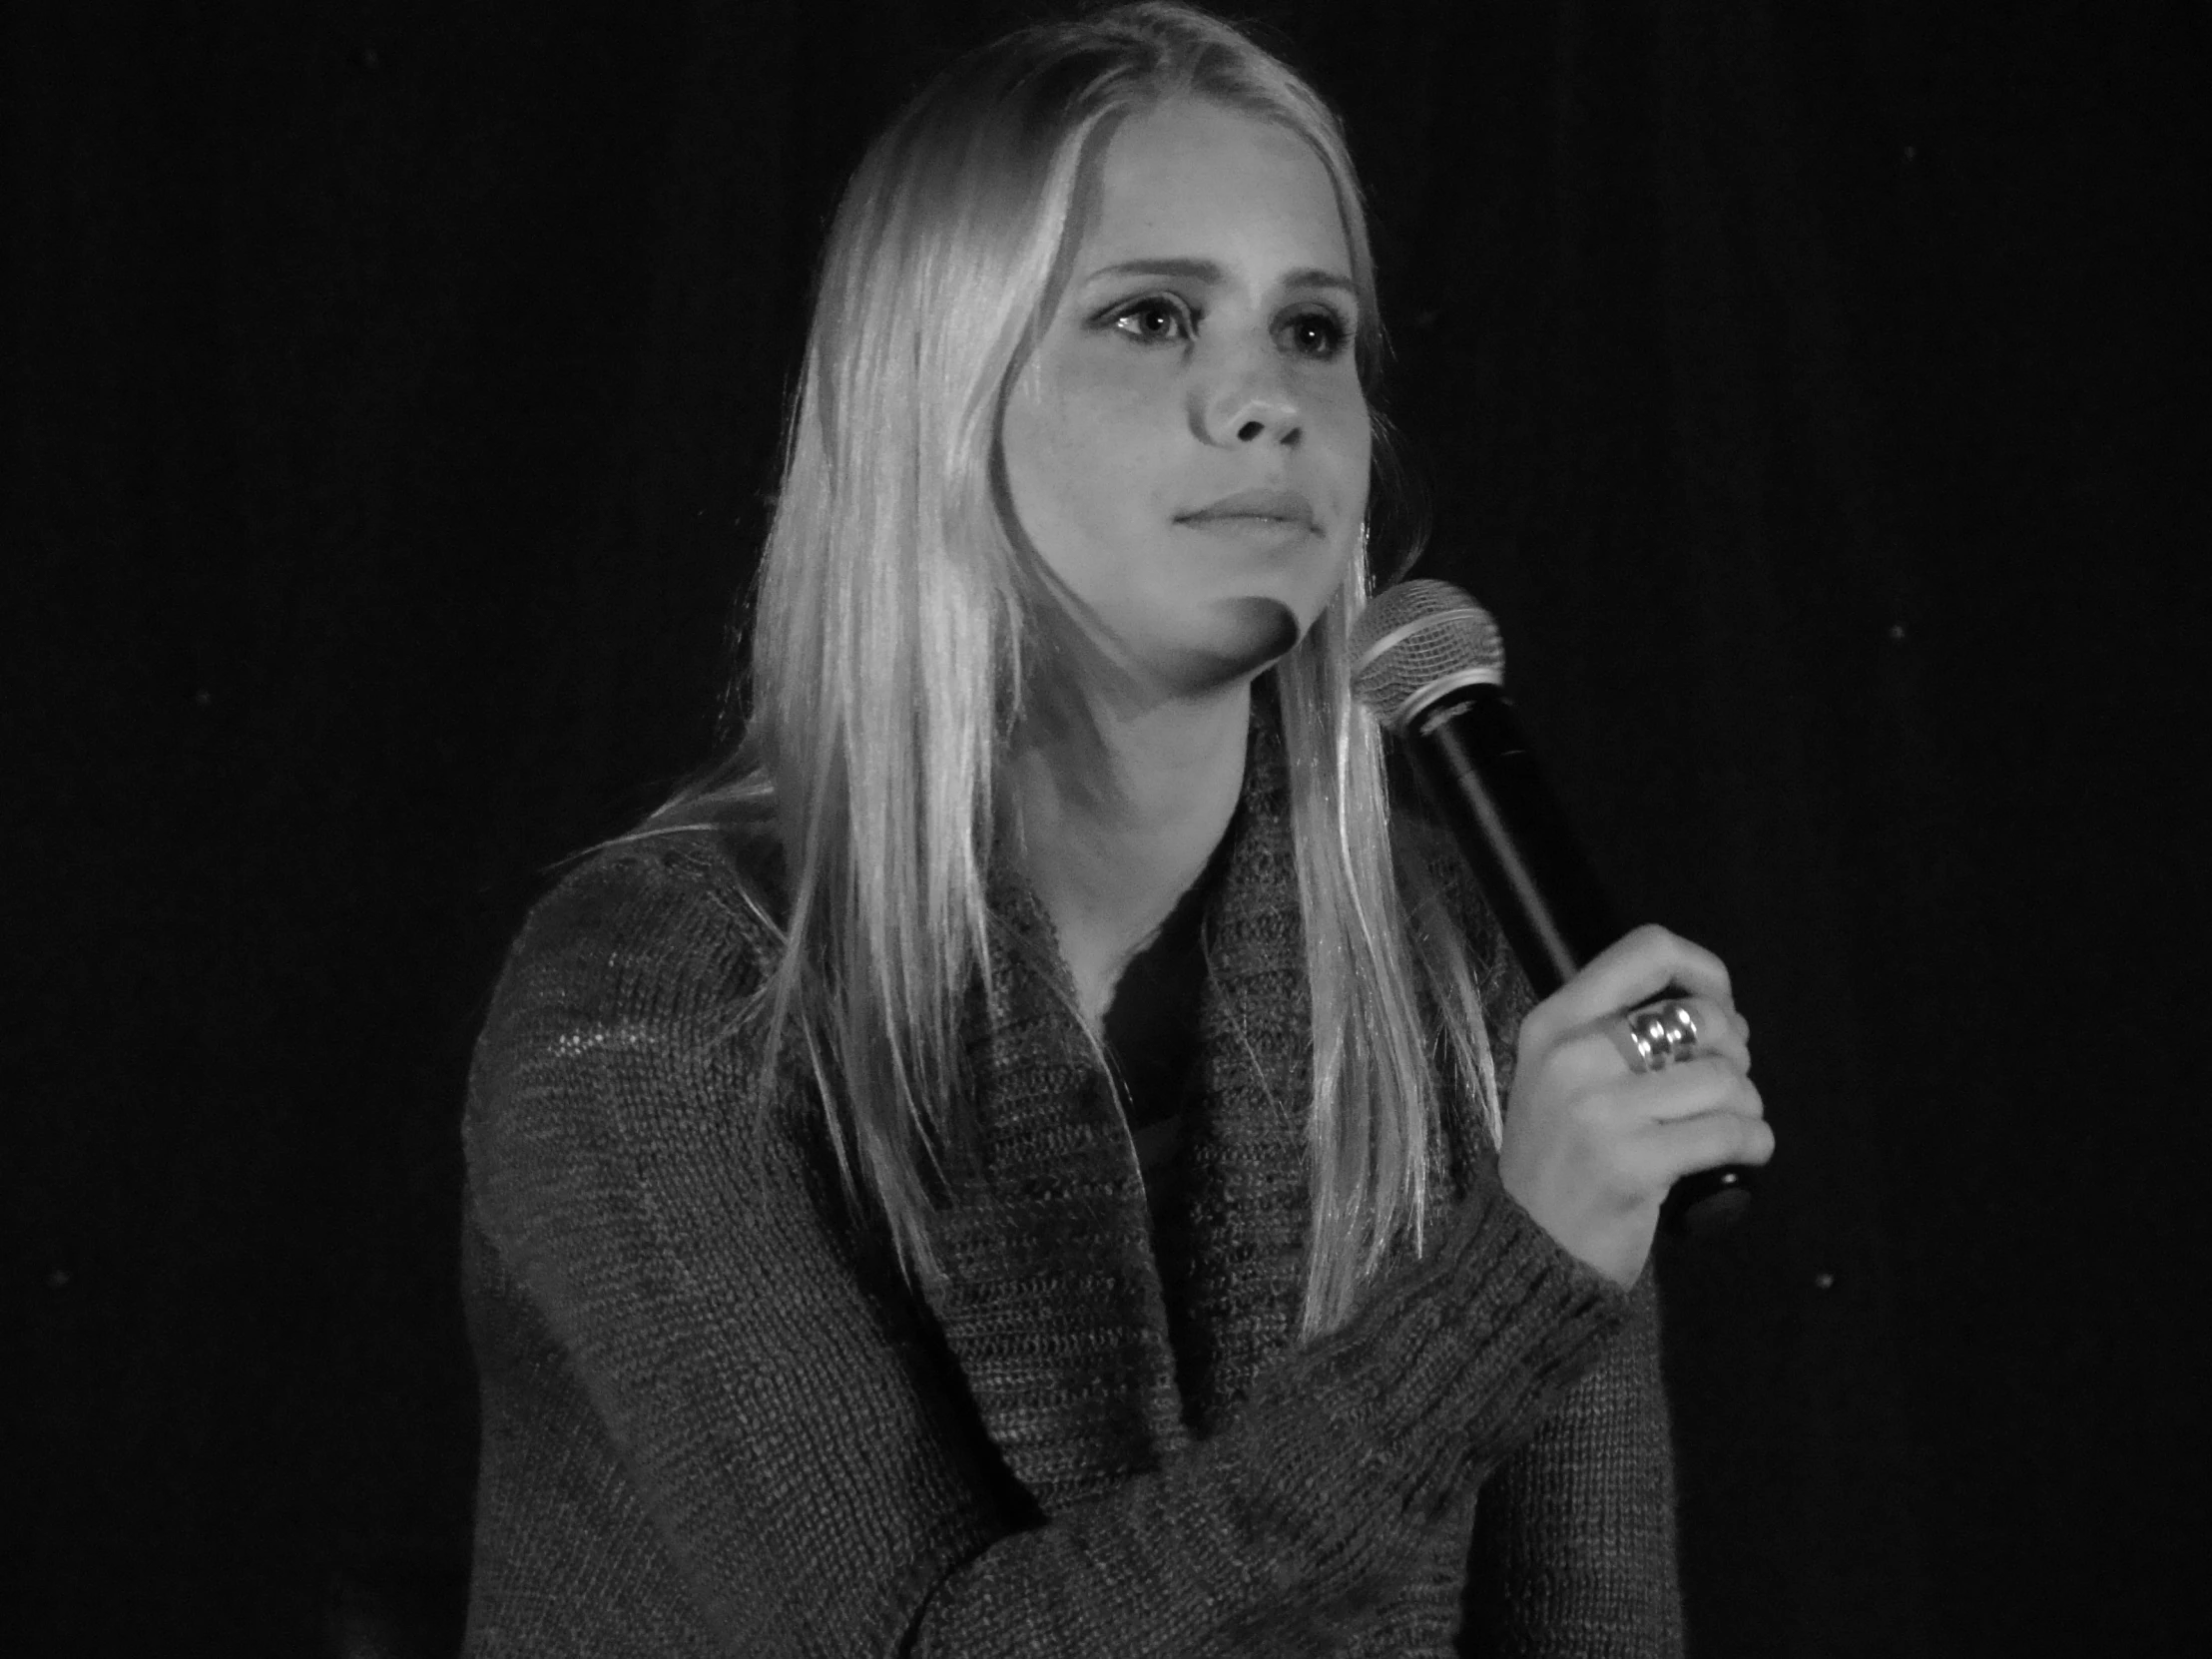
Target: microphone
column 1428, row 662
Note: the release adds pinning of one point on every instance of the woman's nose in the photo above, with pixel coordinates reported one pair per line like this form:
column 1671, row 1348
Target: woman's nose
column 1249, row 402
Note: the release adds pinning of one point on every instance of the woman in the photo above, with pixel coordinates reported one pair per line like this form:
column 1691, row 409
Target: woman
column 1012, row 1162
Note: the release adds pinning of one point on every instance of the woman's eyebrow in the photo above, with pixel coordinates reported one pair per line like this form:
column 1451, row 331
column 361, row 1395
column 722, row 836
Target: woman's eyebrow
column 1208, row 272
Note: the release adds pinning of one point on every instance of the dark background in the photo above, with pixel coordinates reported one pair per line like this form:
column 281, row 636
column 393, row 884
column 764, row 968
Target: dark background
column 393, row 391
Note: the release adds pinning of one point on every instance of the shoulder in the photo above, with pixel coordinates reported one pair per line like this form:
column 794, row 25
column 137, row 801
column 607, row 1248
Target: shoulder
column 647, row 923
column 623, row 1008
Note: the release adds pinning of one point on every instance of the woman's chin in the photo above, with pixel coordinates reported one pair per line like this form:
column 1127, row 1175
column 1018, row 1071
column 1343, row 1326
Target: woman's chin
column 1241, row 638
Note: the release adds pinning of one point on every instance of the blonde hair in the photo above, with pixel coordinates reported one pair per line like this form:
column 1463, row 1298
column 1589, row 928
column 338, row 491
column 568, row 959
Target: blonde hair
column 895, row 606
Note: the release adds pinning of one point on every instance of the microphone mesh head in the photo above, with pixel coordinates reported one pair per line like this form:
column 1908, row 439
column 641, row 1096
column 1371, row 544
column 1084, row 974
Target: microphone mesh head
column 1420, row 637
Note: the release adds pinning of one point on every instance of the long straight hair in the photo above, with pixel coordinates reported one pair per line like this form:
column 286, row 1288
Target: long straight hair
column 898, row 619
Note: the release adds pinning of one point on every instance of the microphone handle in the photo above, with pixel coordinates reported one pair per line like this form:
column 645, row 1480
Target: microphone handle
column 1478, row 771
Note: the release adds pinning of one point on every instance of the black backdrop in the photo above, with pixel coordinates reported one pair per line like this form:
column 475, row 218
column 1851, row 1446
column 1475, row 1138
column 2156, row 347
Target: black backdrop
column 394, row 387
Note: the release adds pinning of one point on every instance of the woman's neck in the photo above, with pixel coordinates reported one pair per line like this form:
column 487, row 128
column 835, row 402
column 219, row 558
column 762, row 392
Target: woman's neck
column 1112, row 831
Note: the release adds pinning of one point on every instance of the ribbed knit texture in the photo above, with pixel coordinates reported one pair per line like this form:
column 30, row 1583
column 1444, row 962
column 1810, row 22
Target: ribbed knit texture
column 715, row 1422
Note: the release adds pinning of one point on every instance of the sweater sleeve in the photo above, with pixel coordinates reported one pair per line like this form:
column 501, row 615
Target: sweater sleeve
column 783, row 1424
column 1575, row 1539
column 1575, row 1553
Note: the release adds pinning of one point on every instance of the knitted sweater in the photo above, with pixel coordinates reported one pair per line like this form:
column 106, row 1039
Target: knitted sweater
column 716, row 1421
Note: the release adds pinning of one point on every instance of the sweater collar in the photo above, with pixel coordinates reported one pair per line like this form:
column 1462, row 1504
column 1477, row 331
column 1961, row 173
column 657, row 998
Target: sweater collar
column 1054, row 1300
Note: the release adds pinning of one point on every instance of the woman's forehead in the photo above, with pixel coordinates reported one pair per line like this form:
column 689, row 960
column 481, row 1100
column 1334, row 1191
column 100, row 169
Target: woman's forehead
column 1199, row 181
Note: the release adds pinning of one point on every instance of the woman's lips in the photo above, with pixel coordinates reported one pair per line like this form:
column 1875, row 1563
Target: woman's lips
column 1276, row 509
column 1252, row 529
column 1263, row 519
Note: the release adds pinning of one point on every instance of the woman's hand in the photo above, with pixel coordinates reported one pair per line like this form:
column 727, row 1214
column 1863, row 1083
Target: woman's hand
column 1591, row 1147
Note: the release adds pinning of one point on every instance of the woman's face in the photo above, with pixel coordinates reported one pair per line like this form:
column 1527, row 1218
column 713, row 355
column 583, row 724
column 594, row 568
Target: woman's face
column 1187, row 449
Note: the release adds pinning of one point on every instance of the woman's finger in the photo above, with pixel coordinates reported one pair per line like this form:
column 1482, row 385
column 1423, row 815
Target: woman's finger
column 1602, row 1050
column 1685, row 1026
column 1663, row 1153
column 1636, row 969
column 1689, row 1089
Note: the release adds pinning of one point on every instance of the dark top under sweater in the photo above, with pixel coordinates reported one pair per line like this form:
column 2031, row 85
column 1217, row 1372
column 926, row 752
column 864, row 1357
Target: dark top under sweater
column 715, row 1420
column 1150, row 1034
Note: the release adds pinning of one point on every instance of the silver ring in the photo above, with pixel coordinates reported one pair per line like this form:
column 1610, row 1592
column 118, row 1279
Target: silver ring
column 1654, row 1037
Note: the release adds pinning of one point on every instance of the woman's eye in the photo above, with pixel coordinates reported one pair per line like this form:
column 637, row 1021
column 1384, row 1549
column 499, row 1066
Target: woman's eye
column 1316, row 334
column 1152, row 320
